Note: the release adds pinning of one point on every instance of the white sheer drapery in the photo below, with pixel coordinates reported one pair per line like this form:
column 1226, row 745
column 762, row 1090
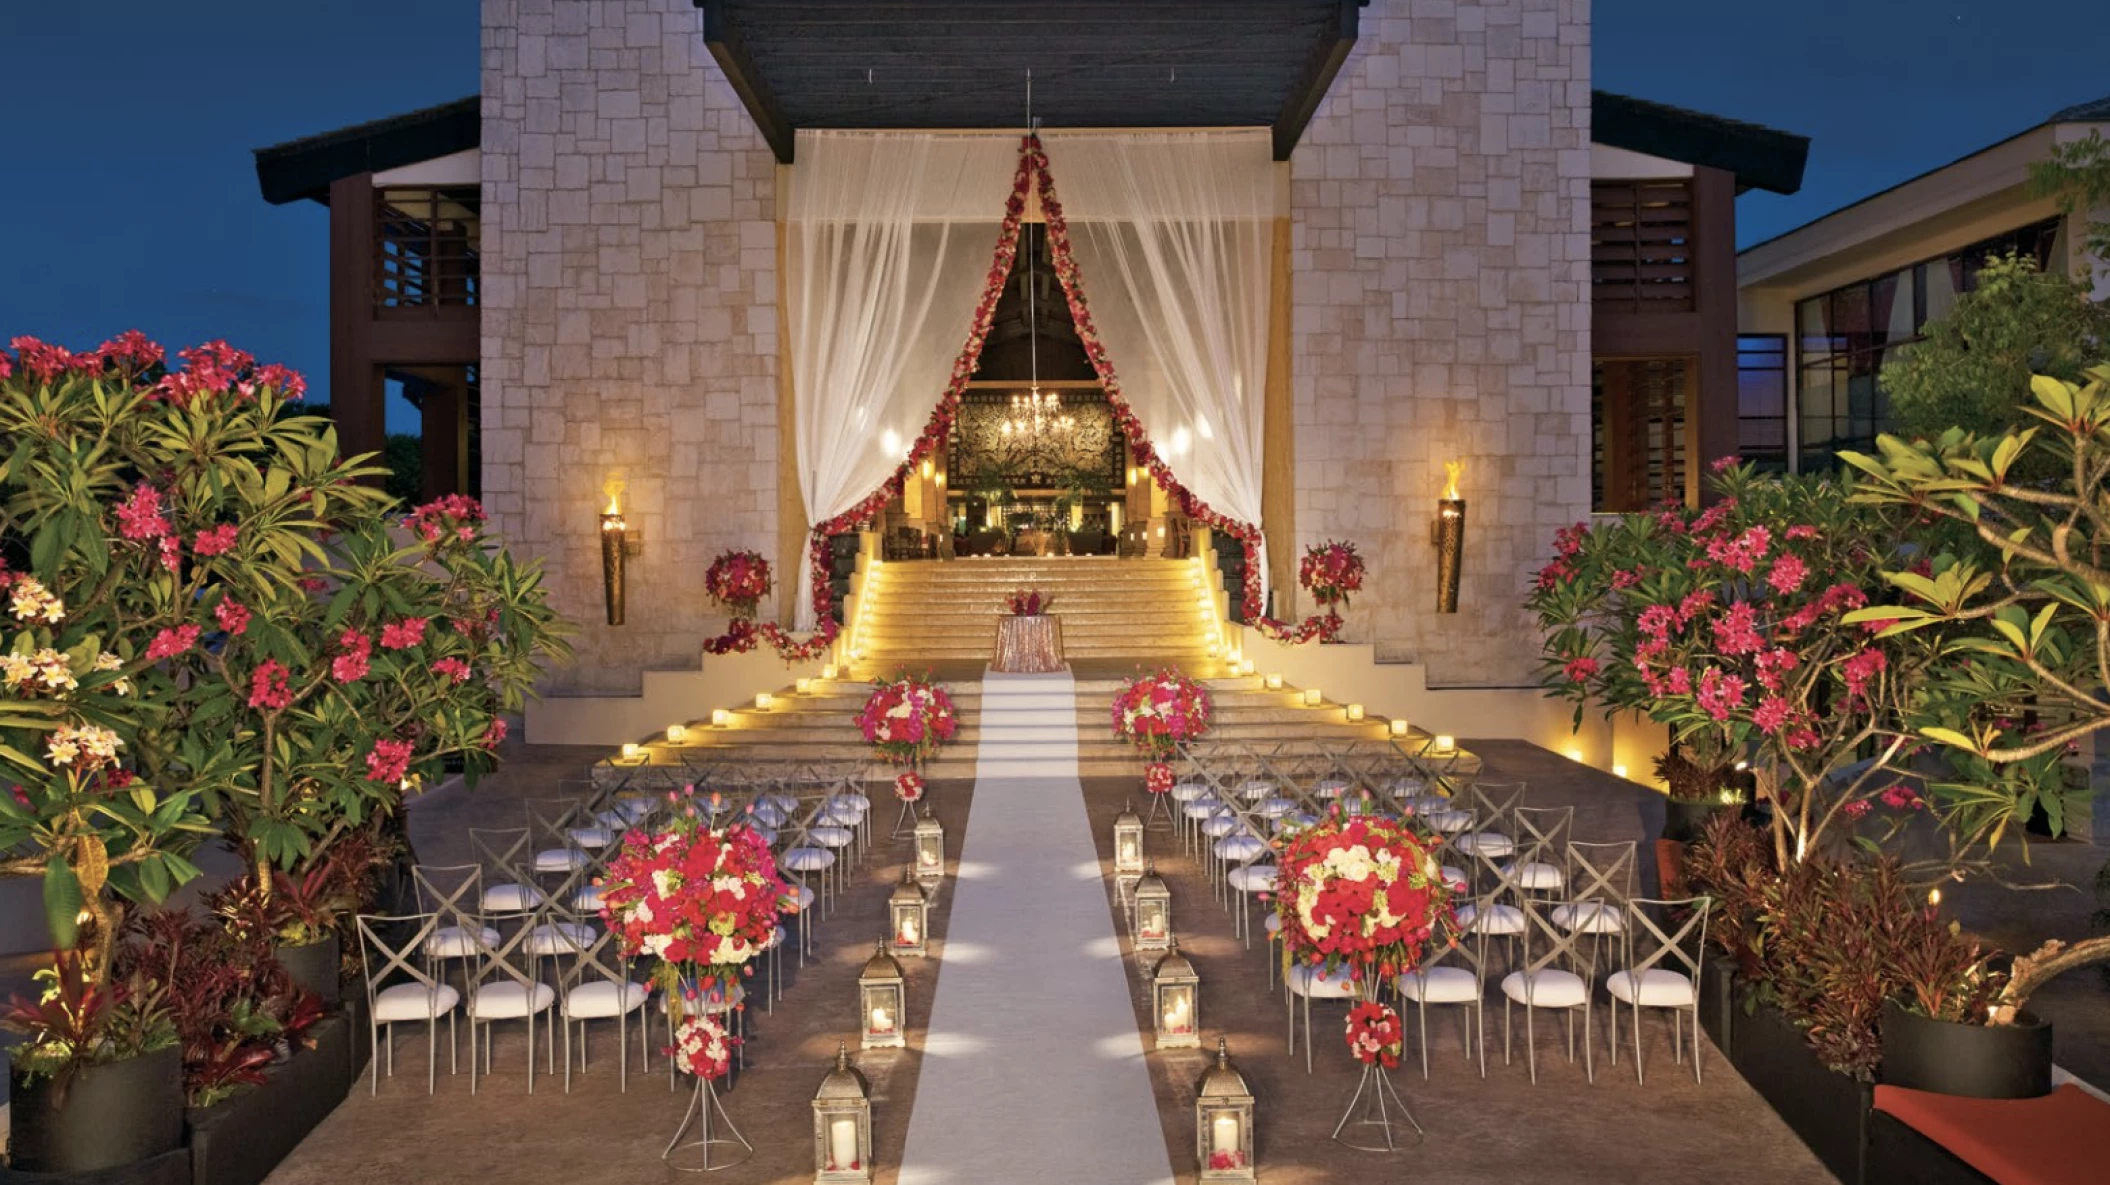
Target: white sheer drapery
column 889, row 239
column 1173, row 234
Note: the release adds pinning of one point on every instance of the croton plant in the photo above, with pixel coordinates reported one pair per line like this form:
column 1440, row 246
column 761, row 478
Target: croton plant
column 214, row 628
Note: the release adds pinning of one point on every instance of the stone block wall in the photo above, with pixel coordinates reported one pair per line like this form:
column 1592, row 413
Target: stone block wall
column 1441, row 268
column 629, row 315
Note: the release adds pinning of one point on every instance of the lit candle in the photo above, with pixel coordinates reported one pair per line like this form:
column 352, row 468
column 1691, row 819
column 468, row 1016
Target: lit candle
column 1399, row 728
column 1223, row 1134
column 828, row 671
column 1274, row 682
column 908, row 931
column 677, row 733
column 1247, row 667
column 927, row 857
column 763, row 700
column 1618, row 771
column 804, row 686
column 1355, row 712
column 721, row 718
column 1176, row 1014
column 1237, row 656
column 882, row 1020
column 842, row 1144
column 633, row 752
column 1575, row 754
column 1128, row 851
column 1446, row 744
column 1312, row 698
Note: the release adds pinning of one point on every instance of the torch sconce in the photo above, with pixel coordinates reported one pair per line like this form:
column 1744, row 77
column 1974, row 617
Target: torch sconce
column 1449, row 537
column 617, row 545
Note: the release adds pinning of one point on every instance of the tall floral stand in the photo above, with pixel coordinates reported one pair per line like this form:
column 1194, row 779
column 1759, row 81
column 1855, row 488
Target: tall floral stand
column 1376, row 1105
column 1159, row 816
column 905, row 822
column 718, row 1144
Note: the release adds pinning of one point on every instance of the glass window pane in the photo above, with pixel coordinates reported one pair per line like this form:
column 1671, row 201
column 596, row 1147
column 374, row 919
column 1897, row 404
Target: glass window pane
column 1941, row 278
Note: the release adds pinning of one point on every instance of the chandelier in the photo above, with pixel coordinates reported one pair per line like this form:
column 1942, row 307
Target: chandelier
column 1035, row 414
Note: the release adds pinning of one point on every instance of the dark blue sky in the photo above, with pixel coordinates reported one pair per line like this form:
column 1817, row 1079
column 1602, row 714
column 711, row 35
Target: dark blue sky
column 129, row 197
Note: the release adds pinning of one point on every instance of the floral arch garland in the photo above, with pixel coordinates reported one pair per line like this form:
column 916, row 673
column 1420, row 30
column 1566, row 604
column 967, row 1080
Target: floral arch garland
column 1032, row 171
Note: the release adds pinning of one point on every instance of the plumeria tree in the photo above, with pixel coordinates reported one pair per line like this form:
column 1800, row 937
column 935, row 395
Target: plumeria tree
column 2029, row 615
column 1747, row 629
column 218, row 630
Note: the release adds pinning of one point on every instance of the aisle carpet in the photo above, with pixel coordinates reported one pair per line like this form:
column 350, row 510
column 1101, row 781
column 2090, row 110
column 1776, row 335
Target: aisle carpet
column 1033, row 1070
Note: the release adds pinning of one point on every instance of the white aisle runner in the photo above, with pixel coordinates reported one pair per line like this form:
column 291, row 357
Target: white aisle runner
column 1033, row 1070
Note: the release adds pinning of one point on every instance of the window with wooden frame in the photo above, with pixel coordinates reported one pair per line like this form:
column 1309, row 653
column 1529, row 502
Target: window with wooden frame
column 426, row 244
column 1638, row 432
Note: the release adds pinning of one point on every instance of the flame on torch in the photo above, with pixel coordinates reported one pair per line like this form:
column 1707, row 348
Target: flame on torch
column 1451, row 472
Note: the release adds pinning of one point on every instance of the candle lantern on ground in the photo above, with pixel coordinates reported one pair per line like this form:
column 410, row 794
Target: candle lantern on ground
column 1176, row 992
column 1223, row 1116
column 1153, row 913
column 930, row 849
column 910, row 909
column 842, row 1125
column 1128, row 849
column 880, row 996
column 1450, row 539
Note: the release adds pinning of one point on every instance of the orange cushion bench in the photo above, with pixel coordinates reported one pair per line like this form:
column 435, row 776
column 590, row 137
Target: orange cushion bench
column 2062, row 1138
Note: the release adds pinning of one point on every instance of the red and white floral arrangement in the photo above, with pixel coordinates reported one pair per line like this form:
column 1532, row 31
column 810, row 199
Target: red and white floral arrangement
column 1156, row 712
column 702, row 1046
column 909, row 786
column 1375, row 1034
column 738, row 580
column 702, row 901
column 1360, row 892
column 907, row 719
column 1331, row 572
column 1028, row 602
column 1157, row 778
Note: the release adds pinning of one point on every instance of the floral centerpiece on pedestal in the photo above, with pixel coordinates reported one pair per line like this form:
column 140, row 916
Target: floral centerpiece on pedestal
column 1331, row 572
column 738, row 580
column 907, row 719
column 1028, row 602
column 1155, row 713
column 702, row 901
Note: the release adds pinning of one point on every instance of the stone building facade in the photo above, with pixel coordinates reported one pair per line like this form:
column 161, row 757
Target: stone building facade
column 629, row 315
column 1442, row 311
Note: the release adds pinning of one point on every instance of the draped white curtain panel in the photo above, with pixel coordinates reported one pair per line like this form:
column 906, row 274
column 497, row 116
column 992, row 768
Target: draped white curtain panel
column 1173, row 234
column 889, row 240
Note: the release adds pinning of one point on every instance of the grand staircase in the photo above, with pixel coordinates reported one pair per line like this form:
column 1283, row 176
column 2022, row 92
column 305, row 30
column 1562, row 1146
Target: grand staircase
column 1150, row 612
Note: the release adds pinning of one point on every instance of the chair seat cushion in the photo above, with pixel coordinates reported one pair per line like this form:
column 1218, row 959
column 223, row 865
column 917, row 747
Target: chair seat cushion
column 1296, row 819
column 1550, row 988
column 1589, row 917
column 1455, row 877
column 1440, row 985
column 788, row 803
column 768, row 814
column 1274, row 808
column 1330, row 787
column 1239, row 847
column 1189, row 791
column 587, row 899
column 1221, row 825
column 844, row 814
column 1200, row 809
column 458, row 942
column 1660, row 987
column 1535, row 876
column 559, row 859
column 605, row 998
column 800, row 895
column 413, row 1001
column 511, row 898
column 1273, row 924
column 1307, row 980
column 2057, row 1138
column 592, row 837
column 809, row 859
column 558, row 938
column 1256, row 788
column 1492, row 844
column 1256, row 878
column 1447, row 821
column 501, row 1001
column 1498, row 919
column 832, row 837
column 633, row 809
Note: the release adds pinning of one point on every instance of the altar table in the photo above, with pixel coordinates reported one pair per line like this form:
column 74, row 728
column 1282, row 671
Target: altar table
column 1028, row 645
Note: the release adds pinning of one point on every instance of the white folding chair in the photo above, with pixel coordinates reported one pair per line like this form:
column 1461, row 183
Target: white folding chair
column 1555, row 974
column 1648, row 982
column 597, row 986
column 400, row 990
column 1457, row 975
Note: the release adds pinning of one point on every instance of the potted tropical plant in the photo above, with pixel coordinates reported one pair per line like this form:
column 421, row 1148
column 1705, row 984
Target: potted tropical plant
column 98, row 1081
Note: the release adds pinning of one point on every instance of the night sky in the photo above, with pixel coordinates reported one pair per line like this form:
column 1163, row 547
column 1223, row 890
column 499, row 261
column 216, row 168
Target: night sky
column 129, row 197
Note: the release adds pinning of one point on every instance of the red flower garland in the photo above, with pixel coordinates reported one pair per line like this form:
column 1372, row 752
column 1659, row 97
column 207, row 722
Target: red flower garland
column 738, row 579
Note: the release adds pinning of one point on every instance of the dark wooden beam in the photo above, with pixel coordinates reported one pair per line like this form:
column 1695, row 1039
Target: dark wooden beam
column 357, row 396
column 730, row 50
column 1712, row 418
column 453, row 338
column 1319, row 72
column 1616, row 334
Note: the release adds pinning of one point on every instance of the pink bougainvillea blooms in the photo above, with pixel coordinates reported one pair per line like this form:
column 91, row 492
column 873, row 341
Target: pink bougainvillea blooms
column 1857, row 808
column 284, row 380
column 172, row 641
column 402, row 635
column 389, row 761
column 351, row 663
column 1788, row 573
column 215, row 540
column 1859, row 668
column 1736, row 630
column 172, row 552
column 131, row 351
column 496, row 733
column 1772, row 714
column 453, row 668
column 1581, row 668
column 1720, row 694
column 1900, row 797
column 453, row 516
column 43, row 361
column 269, row 686
column 232, row 615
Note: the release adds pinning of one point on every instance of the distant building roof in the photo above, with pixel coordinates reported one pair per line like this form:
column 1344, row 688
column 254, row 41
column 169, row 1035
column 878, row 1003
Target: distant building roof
column 2096, row 111
column 305, row 167
column 1761, row 157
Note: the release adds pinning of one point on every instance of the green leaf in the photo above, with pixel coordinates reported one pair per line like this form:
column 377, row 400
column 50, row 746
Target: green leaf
column 62, row 902
column 1949, row 736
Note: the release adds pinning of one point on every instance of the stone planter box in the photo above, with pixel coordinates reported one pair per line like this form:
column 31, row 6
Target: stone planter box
column 1829, row 1111
column 115, row 1116
column 169, row 1168
column 239, row 1141
column 1718, row 1000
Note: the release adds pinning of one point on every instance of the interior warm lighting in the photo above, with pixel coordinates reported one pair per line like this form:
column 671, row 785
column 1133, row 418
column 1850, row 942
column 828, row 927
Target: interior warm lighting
column 1933, row 898
column 1355, row 713
column 928, row 469
column 721, row 718
column 1312, row 698
column 1741, row 766
column 1399, row 728
column 677, row 733
column 1452, row 471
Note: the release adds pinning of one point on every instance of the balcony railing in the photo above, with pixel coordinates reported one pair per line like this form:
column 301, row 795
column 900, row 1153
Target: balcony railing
column 426, row 241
